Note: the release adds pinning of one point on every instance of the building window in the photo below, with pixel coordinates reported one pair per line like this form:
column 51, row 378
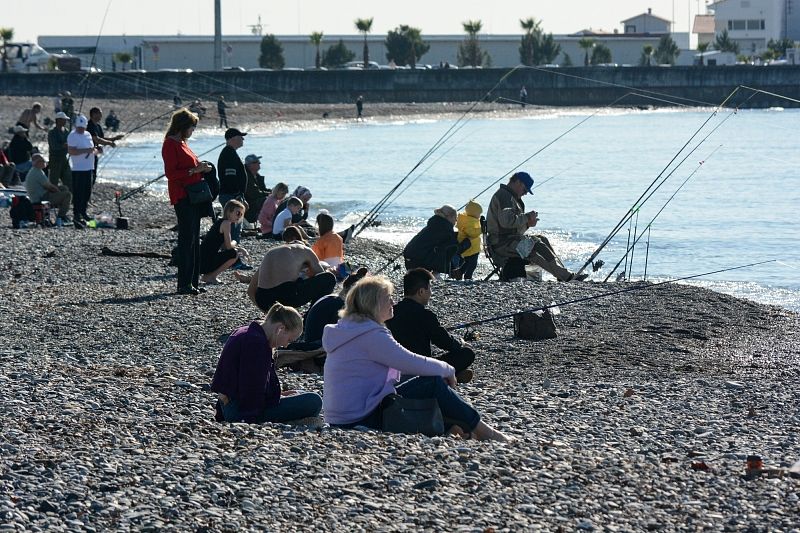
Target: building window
column 755, row 24
column 630, row 28
column 737, row 24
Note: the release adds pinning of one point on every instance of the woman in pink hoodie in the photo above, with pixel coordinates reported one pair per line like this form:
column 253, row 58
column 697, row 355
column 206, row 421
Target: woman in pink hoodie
column 364, row 364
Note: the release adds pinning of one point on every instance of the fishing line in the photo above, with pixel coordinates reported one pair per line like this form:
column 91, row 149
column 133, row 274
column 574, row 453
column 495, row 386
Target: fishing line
column 649, row 224
column 633, row 248
column 361, row 225
column 94, row 54
column 239, row 88
column 647, row 253
column 771, row 94
column 602, row 295
column 637, row 202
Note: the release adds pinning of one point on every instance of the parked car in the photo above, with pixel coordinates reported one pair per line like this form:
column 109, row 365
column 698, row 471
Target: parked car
column 359, row 65
column 312, row 67
column 240, row 69
column 259, row 69
column 174, row 70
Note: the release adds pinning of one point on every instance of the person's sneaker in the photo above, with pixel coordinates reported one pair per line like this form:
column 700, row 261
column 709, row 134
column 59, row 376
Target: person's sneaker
column 465, row 376
column 65, row 219
column 79, row 224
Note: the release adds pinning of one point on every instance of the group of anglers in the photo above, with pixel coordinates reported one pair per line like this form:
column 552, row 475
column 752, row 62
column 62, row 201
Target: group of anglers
column 374, row 350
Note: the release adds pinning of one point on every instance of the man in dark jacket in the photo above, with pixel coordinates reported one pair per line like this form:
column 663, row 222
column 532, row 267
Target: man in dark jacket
column 506, row 224
column 435, row 245
column 232, row 180
column 20, row 149
column 416, row 327
column 255, row 191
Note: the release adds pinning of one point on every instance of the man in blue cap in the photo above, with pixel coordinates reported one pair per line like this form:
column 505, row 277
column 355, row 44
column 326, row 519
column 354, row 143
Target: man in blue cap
column 507, row 223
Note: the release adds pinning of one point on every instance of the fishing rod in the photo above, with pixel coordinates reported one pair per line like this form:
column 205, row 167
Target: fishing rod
column 789, row 98
column 142, row 187
column 362, row 223
column 650, row 224
column 602, row 295
column 647, row 253
column 625, row 270
column 636, row 204
column 94, row 54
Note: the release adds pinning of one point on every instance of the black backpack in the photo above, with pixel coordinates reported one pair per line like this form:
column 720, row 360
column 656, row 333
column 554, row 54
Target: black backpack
column 21, row 209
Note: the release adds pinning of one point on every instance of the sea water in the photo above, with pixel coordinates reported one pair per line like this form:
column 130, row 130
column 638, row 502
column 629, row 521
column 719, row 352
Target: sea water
column 738, row 207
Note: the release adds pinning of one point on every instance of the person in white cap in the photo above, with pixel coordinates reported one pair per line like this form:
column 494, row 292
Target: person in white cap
column 20, row 150
column 57, row 143
column 81, row 150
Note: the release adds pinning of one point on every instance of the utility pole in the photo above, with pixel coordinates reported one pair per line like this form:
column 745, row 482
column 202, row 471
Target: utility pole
column 217, row 35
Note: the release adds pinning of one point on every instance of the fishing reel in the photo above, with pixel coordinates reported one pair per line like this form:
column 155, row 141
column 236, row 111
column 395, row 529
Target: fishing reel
column 597, row 265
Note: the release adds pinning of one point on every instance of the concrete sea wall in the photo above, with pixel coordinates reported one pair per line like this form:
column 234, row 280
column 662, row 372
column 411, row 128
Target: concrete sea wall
column 573, row 86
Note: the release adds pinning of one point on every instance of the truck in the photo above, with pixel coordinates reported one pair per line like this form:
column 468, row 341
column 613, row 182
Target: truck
column 26, row 57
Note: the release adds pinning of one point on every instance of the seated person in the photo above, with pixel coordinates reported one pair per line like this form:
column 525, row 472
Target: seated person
column 284, row 219
column 218, row 252
column 112, row 121
column 435, row 245
column 415, row 326
column 364, row 364
column 255, row 191
column 301, row 217
column 41, row 190
column 8, row 175
column 326, row 310
column 20, row 149
column 507, row 223
column 270, row 206
column 468, row 225
column 278, row 279
column 295, row 234
column 245, row 380
column 330, row 245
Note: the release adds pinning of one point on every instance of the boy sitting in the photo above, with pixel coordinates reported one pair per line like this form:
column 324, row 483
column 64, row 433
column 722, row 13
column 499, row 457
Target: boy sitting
column 284, row 219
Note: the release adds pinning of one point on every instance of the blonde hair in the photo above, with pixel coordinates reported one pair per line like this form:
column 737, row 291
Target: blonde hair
column 364, row 298
column 181, row 120
column 283, row 314
column 231, row 206
column 280, row 187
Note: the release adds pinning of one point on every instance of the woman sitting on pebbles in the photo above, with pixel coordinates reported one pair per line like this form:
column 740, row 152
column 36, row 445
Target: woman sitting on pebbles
column 364, row 363
column 217, row 251
column 270, row 206
column 246, row 381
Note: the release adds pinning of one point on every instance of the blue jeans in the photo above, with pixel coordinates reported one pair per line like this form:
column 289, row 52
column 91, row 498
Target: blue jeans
column 302, row 405
column 454, row 408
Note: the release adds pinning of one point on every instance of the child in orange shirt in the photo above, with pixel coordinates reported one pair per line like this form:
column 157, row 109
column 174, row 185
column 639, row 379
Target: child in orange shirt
column 330, row 246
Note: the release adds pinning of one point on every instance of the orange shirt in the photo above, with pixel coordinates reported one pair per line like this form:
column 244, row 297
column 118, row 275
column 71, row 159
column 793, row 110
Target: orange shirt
column 328, row 246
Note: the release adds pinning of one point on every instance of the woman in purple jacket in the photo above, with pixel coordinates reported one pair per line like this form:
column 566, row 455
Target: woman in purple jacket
column 364, row 364
column 246, row 381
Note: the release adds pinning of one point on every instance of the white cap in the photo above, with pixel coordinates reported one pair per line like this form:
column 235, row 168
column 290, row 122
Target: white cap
column 81, row 122
column 61, row 115
column 19, row 128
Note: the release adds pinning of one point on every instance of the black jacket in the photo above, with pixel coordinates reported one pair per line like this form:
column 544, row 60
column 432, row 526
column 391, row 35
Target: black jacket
column 415, row 327
column 19, row 149
column 433, row 246
column 232, row 175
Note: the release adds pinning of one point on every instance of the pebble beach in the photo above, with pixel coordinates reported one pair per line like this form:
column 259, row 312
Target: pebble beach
column 639, row 416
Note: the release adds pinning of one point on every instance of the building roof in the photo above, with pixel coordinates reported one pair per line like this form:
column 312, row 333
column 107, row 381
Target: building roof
column 703, row 24
column 647, row 15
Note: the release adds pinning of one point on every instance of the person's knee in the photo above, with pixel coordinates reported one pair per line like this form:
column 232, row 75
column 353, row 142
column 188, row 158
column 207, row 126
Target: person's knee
column 467, row 355
column 313, row 403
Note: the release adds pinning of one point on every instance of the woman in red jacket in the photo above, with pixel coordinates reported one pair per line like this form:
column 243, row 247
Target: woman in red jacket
column 183, row 168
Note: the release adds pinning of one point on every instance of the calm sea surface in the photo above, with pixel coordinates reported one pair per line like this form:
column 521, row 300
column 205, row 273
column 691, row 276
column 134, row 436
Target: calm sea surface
column 739, row 207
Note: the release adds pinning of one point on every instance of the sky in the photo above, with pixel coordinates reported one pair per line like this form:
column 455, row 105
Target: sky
column 32, row 18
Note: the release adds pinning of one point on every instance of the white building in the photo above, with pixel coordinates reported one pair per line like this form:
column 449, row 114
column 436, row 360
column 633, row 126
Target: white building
column 752, row 23
column 647, row 23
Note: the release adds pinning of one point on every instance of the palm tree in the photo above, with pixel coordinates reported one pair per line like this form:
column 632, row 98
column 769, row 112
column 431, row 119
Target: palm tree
column 365, row 26
column 529, row 40
column 123, row 58
column 473, row 28
column 316, row 40
column 586, row 44
column 647, row 54
column 724, row 43
column 702, row 47
column 469, row 52
column 7, row 35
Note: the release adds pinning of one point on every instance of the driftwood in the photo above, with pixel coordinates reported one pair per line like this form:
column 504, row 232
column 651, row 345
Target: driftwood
column 150, row 255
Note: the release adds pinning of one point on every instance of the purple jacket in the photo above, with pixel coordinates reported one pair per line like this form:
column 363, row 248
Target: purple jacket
column 363, row 364
column 246, row 372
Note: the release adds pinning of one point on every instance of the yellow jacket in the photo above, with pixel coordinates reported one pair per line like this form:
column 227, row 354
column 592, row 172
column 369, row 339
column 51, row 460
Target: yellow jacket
column 469, row 228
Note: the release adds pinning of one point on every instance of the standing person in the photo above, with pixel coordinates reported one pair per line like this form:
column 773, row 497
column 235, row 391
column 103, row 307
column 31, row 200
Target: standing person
column 233, row 180
column 57, row 145
column 364, row 364
column 218, row 251
column 31, row 116
column 359, row 108
column 20, row 149
column 246, row 380
column 256, row 190
column 468, row 225
column 57, row 103
column 183, row 168
column 40, row 189
column 222, row 111
column 81, row 150
column 523, row 96
column 98, row 137
column 112, row 121
column 416, row 327
column 506, row 224
column 270, row 206
column 68, row 105
column 176, row 101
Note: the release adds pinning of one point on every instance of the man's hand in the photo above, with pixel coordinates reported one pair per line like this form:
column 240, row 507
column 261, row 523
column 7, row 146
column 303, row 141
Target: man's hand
column 451, row 381
column 533, row 218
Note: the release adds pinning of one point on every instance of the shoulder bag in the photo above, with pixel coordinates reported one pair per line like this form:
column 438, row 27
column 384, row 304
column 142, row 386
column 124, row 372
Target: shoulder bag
column 407, row 415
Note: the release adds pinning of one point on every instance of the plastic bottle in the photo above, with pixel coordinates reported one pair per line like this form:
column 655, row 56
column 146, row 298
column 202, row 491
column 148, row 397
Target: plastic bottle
column 59, row 222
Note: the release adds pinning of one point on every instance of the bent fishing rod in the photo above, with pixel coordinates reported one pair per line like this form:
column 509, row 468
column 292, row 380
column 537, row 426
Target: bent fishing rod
column 636, row 204
column 649, row 224
column 145, row 185
column 362, row 224
column 602, row 295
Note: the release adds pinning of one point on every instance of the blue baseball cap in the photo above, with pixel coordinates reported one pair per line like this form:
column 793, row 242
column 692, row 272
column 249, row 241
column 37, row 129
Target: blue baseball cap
column 525, row 178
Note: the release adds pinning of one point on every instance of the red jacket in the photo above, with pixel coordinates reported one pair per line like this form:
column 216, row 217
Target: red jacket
column 178, row 160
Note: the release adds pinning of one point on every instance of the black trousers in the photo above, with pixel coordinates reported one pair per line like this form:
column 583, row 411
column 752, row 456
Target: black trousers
column 81, row 191
column 188, row 243
column 296, row 293
column 460, row 358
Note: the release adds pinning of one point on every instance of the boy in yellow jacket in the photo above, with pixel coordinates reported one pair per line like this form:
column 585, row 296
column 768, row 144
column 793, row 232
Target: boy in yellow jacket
column 468, row 225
